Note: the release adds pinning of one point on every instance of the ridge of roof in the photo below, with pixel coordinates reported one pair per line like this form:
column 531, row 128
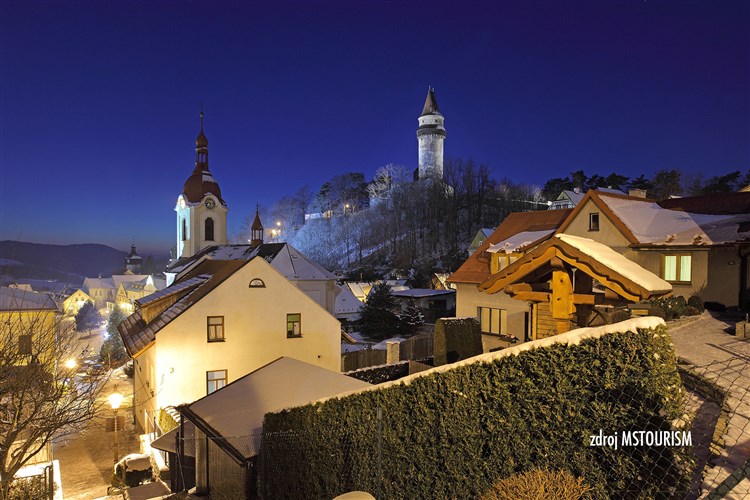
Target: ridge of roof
column 596, row 198
column 476, row 268
column 713, row 204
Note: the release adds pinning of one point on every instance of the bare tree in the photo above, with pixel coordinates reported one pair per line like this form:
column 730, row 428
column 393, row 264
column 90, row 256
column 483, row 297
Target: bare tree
column 40, row 397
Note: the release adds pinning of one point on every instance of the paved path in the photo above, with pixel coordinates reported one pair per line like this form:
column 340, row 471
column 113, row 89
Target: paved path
column 86, row 460
column 710, row 345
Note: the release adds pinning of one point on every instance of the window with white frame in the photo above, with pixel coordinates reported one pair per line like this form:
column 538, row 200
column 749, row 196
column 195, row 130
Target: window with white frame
column 215, row 380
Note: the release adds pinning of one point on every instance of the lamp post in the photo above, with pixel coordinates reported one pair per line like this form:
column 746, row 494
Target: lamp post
column 115, row 399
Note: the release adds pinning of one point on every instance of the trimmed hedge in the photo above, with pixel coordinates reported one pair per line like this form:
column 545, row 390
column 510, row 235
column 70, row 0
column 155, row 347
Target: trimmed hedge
column 454, row 433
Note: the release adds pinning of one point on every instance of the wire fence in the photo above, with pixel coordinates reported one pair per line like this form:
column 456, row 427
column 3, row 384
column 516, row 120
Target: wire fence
column 703, row 453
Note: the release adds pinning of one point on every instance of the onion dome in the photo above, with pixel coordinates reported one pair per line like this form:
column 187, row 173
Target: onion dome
column 201, row 182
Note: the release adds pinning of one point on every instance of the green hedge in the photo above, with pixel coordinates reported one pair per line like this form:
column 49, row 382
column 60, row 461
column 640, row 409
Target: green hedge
column 452, row 434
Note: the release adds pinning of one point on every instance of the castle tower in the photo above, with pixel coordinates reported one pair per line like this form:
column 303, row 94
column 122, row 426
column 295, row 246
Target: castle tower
column 201, row 211
column 256, row 230
column 430, row 136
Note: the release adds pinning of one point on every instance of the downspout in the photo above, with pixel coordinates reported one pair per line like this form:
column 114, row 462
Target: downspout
column 743, row 251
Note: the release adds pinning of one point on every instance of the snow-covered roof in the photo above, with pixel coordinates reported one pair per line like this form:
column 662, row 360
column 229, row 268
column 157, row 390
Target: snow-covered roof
column 296, row 266
column 238, row 408
column 118, row 279
column 282, row 256
column 359, row 289
column 487, row 231
column 516, row 242
column 17, row 299
column 346, row 302
column 175, row 288
column 421, row 292
column 616, row 262
column 652, row 224
column 90, row 283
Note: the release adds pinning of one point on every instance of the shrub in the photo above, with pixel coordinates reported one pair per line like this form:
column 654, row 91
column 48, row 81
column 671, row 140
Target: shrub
column 454, row 432
column 659, row 312
column 456, row 339
column 620, row 315
column 692, row 311
column 673, row 307
column 696, row 302
column 538, row 484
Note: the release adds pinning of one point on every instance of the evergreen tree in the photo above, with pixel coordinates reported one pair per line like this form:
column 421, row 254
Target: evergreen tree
column 87, row 317
column 411, row 319
column 640, row 182
column 113, row 350
column 723, row 183
column 378, row 316
column 666, row 183
column 553, row 187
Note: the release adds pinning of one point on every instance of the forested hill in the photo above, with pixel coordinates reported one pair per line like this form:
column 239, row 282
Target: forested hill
column 38, row 260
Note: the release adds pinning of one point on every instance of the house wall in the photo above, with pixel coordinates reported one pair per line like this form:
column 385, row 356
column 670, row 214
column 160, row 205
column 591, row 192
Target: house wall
column 469, row 298
column 144, row 389
column 254, row 330
column 608, row 234
column 321, row 291
column 38, row 324
column 652, row 261
column 723, row 282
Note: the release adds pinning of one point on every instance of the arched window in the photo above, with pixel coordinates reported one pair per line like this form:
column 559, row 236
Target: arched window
column 184, row 230
column 209, row 229
column 257, row 283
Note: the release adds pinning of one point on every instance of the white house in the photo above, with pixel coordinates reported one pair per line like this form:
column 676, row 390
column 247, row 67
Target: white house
column 219, row 321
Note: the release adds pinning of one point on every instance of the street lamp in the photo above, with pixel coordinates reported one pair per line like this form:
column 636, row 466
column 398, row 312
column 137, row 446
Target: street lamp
column 115, row 399
column 70, row 364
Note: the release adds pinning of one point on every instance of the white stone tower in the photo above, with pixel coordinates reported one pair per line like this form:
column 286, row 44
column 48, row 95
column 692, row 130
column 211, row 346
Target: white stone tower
column 430, row 136
column 201, row 211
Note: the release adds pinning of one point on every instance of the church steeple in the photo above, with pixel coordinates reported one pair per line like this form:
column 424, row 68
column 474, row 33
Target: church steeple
column 256, row 230
column 201, row 211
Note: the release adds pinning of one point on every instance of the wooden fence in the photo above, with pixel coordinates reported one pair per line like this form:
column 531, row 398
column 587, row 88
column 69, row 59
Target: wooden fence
column 417, row 347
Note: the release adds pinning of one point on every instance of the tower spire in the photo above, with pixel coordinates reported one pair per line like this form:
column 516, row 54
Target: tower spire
column 256, row 230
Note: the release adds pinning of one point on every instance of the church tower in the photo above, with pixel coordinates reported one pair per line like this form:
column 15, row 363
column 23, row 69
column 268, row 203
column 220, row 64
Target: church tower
column 430, row 136
column 201, row 211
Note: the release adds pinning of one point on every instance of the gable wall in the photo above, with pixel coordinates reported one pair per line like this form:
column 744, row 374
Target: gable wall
column 255, row 333
column 608, row 233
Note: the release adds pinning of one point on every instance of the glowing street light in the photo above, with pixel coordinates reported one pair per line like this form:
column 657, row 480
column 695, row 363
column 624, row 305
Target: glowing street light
column 115, row 400
column 70, row 364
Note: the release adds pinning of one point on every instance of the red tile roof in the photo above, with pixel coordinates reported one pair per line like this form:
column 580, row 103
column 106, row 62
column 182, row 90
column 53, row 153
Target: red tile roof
column 476, row 268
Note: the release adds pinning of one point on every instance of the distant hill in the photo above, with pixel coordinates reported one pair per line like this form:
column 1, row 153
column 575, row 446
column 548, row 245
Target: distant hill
column 69, row 262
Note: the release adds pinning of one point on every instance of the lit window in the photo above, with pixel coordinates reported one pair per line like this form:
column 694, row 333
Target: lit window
column 676, row 268
column 216, row 328
column 294, row 325
column 215, row 380
column 491, row 320
column 24, row 344
column 594, row 221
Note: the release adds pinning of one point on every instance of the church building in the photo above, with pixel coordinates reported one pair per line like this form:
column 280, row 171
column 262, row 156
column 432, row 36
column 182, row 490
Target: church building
column 201, row 211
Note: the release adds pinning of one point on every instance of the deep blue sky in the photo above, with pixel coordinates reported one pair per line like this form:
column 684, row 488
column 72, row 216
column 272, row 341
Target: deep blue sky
column 100, row 100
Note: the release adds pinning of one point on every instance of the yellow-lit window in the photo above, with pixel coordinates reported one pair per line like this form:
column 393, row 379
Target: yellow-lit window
column 294, row 325
column 491, row 320
column 677, row 268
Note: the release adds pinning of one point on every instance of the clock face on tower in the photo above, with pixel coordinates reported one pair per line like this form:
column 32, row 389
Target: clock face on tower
column 210, row 204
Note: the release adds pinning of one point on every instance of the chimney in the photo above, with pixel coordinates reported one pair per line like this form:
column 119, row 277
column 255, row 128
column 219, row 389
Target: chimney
column 576, row 190
column 637, row 193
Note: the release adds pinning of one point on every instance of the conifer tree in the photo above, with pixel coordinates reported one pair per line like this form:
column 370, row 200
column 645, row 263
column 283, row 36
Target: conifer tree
column 378, row 316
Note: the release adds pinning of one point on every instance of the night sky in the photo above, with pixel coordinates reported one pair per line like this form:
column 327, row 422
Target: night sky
column 100, row 100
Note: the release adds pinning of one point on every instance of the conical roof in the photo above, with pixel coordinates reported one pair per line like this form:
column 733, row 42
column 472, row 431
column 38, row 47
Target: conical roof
column 430, row 104
column 201, row 182
column 257, row 225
